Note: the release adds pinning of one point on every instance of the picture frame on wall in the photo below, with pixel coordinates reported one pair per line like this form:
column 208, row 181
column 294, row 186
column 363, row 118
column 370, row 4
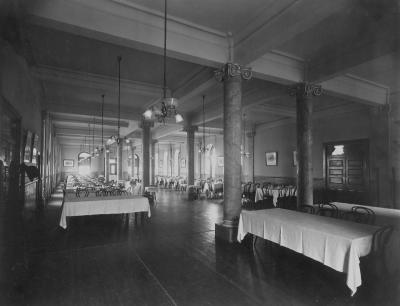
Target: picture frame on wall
column 183, row 163
column 271, row 158
column 295, row 158
column 68, row 163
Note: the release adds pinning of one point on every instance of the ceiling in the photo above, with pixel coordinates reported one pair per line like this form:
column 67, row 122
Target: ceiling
column 350, row 47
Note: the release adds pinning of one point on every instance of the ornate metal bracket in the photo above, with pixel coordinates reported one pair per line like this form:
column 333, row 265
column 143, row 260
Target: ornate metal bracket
column 230, row 70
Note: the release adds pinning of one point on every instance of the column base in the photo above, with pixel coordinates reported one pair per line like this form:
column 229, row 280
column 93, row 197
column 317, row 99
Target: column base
column 226, row 231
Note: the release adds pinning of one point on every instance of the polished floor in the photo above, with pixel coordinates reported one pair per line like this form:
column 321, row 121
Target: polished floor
column 170, row 259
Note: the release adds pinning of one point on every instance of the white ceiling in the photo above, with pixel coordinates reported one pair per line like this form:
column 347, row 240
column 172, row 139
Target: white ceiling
column 75, row 45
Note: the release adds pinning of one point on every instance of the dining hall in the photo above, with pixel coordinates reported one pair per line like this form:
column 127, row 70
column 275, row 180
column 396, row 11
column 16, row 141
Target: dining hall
column 226, row 152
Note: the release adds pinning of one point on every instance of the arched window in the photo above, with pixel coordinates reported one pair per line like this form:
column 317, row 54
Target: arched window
column 156, row 164
column 210, row 161
column 165, row 163
column 176, row 163
column 84, row 163
column 136, row 161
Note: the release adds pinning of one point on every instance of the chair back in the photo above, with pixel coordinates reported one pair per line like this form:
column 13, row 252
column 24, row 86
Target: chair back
column 328, row 210
column 363, row 214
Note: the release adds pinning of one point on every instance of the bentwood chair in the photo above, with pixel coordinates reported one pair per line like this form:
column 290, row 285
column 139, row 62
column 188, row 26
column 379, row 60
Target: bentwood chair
column 362, row 214
column 328, row 210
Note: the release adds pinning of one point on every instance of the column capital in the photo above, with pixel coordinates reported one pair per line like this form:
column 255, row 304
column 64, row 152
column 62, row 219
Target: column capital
column 146, row 124
column 230, row 70
column 191, row 128
column 304, row 89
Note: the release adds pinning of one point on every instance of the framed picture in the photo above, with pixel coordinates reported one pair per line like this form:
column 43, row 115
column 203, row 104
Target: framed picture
column 271, row 158
column 68, row 162
column 183, row 163
column 295, row 158
column 220, row 161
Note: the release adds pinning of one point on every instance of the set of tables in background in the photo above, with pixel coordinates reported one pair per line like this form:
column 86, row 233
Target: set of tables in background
column 99, row 199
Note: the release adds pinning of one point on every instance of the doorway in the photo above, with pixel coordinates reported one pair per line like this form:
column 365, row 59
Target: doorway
column 346, row 171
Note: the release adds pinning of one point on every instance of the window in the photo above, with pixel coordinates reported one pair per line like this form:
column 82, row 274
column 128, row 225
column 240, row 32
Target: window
column 84, row 163
column 176, row 163
column 113, row 166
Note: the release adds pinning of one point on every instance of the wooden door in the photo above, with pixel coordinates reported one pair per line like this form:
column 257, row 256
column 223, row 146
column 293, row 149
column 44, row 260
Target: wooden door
column 347, row 174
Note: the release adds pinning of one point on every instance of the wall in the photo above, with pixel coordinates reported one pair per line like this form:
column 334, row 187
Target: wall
column 395, row 147
column 72, row 152
column 282, row 140
column 19, row 88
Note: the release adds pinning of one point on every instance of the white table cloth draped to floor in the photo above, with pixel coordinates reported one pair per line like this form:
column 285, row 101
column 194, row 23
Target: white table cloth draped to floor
column 75, row 206
column 335, row 243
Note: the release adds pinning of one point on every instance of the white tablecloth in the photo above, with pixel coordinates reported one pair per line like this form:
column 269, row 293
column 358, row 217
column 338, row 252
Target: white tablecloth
column 335, row 243
column 103, row 206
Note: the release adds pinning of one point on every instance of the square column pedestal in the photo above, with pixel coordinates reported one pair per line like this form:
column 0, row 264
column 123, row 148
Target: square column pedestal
column 226, row 232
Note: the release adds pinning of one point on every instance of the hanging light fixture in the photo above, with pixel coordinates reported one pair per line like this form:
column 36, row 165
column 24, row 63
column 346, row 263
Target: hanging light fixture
column 168, row 108
column 95, row 151
column 117, row 138
column 203, row 147
column 101, row 150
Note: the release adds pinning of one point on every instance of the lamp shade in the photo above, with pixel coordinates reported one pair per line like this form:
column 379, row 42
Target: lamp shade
column 178, row 118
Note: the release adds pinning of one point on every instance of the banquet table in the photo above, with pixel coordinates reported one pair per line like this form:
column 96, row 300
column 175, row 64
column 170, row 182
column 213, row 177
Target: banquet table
column 82, row 206
column 335, row 243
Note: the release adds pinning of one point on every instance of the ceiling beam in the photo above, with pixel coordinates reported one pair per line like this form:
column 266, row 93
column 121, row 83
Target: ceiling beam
column 324, row 113
column 113, row 21
column 165, row 130
column 278, row 30
column 59, row 120
column 97, row 82
column 84, row 107
column 381, row 37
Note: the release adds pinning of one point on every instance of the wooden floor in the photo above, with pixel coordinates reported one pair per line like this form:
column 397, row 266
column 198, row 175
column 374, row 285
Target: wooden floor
column 170, row 259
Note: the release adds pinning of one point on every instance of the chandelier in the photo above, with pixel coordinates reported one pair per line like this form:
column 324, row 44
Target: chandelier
column 117, row 138
column 168, row 107
column 203, row 147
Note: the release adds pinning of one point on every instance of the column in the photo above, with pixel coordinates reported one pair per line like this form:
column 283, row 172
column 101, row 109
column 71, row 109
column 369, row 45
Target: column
column 250, row 148
column 381, row 174
column 120, row 147
column 153, row 162
column 231, row 75
column 146, row 134
column 190, row 131
column 304, row 92
column 107, row 164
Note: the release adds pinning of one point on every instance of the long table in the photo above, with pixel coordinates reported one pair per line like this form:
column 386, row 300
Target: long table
column 82, row 206
column 335, row 243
